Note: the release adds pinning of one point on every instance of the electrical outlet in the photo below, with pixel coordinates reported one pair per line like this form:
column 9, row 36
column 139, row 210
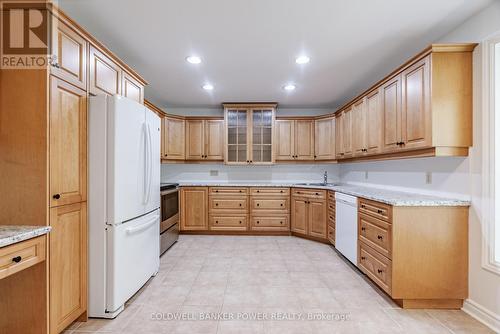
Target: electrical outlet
column 428, row 178
column 214, row 173
column 366, row 175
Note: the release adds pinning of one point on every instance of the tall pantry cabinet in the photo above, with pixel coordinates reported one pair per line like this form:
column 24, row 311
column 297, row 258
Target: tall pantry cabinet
column 43, row 156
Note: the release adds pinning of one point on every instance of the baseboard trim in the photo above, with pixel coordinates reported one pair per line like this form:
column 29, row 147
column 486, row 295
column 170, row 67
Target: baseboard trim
column 482, row 314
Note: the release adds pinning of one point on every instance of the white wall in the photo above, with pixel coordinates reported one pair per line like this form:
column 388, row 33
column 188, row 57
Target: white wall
column 454, row 176
column 276, row 173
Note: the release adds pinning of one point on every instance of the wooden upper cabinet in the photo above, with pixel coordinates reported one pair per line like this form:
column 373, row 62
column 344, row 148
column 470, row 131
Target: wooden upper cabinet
column 415, row 109
column 70, row 51
column 317, row 218
column 68, row 143
column 132, row 88
column 249, row 133
column 359, row 127
column 195, row 139
column 339, row 135
column 173, row 131
column 204, row 139
column 304, row 139
column 391, row 108
column 194, row 208
column 295, row 139
column 347, row 132
column 105, row 74
column 373, row 117
column 67, row 265
column 324, row 138
column 214, row 139
column 285, row 139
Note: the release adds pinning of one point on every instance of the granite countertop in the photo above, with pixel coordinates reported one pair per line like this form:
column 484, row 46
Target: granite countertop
column 11, row 234
column 395, row 198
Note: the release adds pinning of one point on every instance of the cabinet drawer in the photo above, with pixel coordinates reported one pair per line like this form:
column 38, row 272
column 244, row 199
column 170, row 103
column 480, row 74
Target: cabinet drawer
column 270, row 204
column 331, row 196
column 331, row 234
column 269, row 191
column 376, row 233
column 375, row 266
column 331, row 216
column 22, row 255
column 228, row 191
column 277, row 223
column 375, row 209
column 311, row 193
column 228, row 223
column 228, row 203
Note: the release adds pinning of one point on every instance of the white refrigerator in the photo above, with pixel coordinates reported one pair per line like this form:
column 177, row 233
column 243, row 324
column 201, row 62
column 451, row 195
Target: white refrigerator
column 124, row 201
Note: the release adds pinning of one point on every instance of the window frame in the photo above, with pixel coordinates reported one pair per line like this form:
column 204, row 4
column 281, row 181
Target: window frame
column 489, row 138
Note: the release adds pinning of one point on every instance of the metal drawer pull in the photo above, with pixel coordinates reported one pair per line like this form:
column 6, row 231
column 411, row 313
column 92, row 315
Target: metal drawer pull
column 363, row 229
column 380, row 211
column 363, row 206
column 380, row 271
column 379, row 237
column 363, row 258
column 17, row 259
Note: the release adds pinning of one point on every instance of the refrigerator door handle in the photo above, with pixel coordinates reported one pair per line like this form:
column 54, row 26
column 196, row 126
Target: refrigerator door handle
column 143, row 226
column 150, row 163
column 146, row 164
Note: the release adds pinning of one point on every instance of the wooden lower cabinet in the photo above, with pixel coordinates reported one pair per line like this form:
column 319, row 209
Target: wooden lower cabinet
column 417, row 255
column 228, row 223
column 67, row 265
column 309, row 215
column 270, row 223
column 194, row 208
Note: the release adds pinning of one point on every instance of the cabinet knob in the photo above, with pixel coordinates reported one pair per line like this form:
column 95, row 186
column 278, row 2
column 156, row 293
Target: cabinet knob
column 281, row 222
column 240, row 204
column 363, row 258
column 17, row 259
column 380, row 211
column 258, row 204
column 380, row 271
column 258, row 222
column 56, row 196
column 217, row 222
column 281, row 191
column 216, row 204
column 379, row 237
column 166, row 155
column 258, row 191
column 240, row 221
column 251, row 161
column 241, row 191
column 317, row 194
column 281, row 204
column 363, row 229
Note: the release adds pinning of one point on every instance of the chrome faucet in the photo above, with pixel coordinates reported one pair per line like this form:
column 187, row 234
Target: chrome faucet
column 325, row 178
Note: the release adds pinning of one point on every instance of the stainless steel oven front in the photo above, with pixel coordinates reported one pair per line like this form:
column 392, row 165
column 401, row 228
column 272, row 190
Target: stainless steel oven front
column 169, row 226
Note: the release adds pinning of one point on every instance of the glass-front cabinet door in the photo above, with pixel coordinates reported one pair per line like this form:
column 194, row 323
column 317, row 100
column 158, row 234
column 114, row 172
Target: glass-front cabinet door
column 249, row 133
column 237, row 136
column 262, row 129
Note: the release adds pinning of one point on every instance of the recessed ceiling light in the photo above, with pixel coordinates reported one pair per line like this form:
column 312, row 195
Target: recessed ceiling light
column 302, row 60
column 289, row 87
column 207, row 86
column 193, row 59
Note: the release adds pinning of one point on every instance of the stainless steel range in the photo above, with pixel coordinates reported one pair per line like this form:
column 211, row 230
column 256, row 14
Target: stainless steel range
column 169, row 225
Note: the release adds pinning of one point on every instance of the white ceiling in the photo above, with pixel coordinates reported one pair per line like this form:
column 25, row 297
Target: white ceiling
column 249, row 47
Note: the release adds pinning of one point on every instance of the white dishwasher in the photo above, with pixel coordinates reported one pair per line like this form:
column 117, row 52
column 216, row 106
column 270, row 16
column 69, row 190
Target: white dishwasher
column 346, row 226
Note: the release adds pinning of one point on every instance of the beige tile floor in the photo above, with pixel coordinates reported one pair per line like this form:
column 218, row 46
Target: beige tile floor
column 282, row 280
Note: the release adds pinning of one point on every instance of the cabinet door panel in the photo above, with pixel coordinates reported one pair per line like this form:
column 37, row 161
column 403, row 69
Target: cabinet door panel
column 391, row 107
column 68, row 265
column 285, row 139
column 317, row 219
column 415, row 111
column 304, row 139
column 105, row 75
column 324, row 139
column 214, row 139
column 195, row 139
column 68, row 143
column 132, row 88
column 299, row 215
column 173, row 138
column 339, row 135
column 194, row 208
column 71, row 55
column 347, row 133
column 374, row 129
column 359, row 128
